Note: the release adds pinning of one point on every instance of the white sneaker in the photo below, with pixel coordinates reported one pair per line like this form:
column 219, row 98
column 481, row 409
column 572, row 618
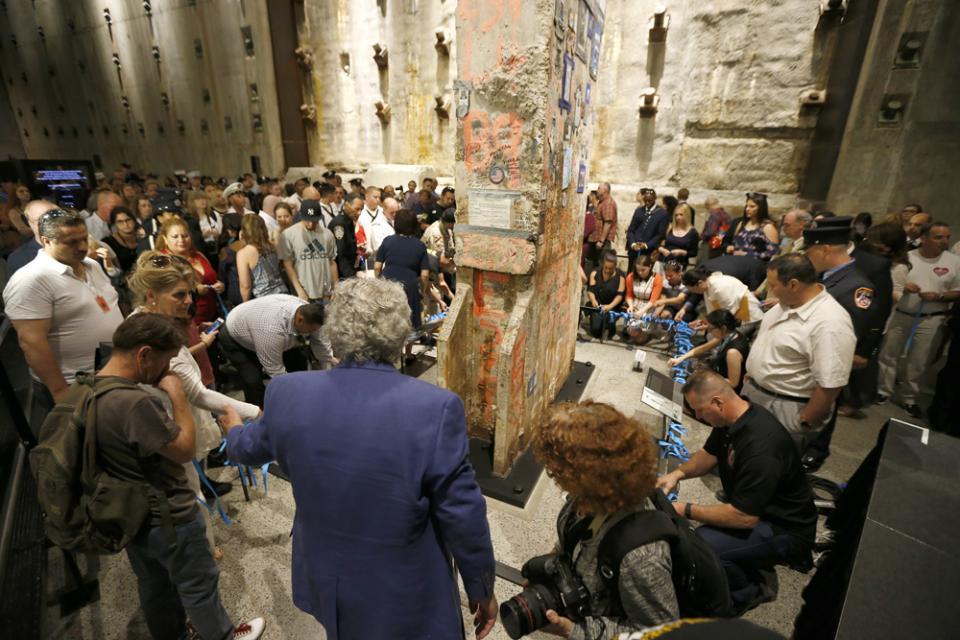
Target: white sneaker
column 250, row 630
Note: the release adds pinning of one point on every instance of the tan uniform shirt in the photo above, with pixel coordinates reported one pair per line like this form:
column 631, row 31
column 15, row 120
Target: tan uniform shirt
column 798, row 350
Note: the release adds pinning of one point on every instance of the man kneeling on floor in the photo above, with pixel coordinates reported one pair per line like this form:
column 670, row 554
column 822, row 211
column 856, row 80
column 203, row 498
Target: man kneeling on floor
column 770, row 518
column 136, row 441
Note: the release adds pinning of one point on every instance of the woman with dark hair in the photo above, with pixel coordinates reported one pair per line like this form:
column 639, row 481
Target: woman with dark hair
column 725, row 352
column 755, row 235
column 123, row 237
column 211, row 224
column 670, row 204
column 888, row 240
column 605, row 290
column 643, row 289
column 258, row 268
column 403, row 257
column 143, row 208
column 861, row 224
column 227, row 267
column 607, row 464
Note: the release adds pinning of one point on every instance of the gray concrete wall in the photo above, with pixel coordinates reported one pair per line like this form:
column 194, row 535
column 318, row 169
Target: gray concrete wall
column 72, row 83
column 883, row 166
column 10, row 144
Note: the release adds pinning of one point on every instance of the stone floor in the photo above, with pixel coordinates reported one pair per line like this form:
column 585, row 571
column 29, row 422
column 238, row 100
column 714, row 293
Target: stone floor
column 255, row 576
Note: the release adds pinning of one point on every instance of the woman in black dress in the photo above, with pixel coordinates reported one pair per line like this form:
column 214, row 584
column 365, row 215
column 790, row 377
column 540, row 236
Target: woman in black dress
column 403, row 257
column 681, row 241
column 606, row 290
column 726, row 351
column 123, row 237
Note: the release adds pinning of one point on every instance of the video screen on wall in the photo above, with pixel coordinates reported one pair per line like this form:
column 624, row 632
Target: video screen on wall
column 66, row 182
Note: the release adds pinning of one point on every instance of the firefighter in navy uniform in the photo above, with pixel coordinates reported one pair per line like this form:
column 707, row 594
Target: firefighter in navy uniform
column 828, row 250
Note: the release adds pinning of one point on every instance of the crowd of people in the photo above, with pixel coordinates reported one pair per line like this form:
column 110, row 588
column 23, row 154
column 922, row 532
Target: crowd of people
column 192, row 285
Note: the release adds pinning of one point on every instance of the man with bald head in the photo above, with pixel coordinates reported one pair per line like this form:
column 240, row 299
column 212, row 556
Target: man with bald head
column 98, row 224
column 26, row 252
column 914, row 228
column 382, row 226
column 770, row 518
column 605, row 233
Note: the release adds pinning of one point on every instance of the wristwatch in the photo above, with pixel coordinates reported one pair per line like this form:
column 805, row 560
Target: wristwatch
column 687, row 510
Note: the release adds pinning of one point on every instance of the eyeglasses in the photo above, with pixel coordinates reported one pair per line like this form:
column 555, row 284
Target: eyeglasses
column 161, row 261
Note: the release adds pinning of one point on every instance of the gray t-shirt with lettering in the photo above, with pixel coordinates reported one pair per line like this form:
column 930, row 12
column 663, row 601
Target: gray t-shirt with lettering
column 311, row 253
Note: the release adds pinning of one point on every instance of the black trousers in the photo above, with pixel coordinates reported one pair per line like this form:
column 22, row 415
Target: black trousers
column 249, row 368
column 600, row 323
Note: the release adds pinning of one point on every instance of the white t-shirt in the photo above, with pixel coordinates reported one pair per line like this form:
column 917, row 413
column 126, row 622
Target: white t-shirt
column 366, row 221
column 937, row 275
column 726, row 292
column 97, row 227
column 380, row 229
column 46, row 289
column 797, row 350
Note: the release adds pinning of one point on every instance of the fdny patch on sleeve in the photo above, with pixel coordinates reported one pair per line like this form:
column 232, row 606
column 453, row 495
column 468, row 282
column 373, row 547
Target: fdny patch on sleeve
column 863, row 297
column 338, row 232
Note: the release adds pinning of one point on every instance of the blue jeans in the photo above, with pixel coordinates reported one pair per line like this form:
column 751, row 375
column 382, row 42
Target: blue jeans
column 744, row 552
column 178, row 582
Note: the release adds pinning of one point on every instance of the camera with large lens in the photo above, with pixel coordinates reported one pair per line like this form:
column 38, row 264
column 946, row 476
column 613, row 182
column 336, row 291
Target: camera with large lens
column 554, row 584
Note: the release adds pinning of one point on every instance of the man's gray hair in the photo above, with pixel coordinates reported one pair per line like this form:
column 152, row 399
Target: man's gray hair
column 802, row 216
column 368, row 319
column 52, row 221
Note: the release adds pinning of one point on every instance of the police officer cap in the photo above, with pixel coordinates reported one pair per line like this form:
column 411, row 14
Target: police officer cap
column 835, row 230
column 310, row 210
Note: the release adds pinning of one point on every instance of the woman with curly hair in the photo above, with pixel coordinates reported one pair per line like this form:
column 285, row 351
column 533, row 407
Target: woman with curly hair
column 607, row 463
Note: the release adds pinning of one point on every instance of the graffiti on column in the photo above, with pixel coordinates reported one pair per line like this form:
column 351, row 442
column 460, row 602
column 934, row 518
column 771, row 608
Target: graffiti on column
column 493, row 139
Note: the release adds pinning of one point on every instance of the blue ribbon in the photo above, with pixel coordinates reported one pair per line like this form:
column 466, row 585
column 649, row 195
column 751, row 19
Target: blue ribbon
column 247, row 478
column 672, row 445
column 216, row 498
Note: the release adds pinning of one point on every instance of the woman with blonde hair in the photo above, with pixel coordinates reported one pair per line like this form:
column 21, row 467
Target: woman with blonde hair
column 174, row 239
column 681, row 240
column 257, row 262
column 607, row 463
column 165, row 284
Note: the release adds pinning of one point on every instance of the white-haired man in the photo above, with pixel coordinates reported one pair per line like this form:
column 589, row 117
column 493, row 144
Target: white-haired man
column 389, row 487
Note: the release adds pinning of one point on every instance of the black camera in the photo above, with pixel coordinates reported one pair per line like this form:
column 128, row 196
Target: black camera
column 554, row 584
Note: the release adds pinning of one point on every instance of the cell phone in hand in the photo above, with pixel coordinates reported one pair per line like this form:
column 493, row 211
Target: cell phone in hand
column 216, row 325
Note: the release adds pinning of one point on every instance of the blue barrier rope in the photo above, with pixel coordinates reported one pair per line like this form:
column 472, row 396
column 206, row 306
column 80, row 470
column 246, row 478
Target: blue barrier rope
column 216, row 498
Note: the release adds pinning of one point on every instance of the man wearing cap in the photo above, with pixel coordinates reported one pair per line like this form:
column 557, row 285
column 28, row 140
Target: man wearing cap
column 803, row 352
column 916, row 325
column 342, row 226
column 827, row 248
column 237, row 199
column 308, row 252
column 647, row 227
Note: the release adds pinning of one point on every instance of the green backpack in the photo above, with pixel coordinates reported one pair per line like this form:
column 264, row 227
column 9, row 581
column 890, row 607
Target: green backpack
column 86, row 510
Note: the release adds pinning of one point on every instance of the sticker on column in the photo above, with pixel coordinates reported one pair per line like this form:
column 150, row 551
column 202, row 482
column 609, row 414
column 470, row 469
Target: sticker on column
column 461, row 90
column 566, row 89
column 567, row 166
column 581, row 177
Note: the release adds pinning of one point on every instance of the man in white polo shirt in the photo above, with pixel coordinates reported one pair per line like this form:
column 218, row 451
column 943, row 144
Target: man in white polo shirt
column 803, row 352
column 62, row 306
column 933, row 284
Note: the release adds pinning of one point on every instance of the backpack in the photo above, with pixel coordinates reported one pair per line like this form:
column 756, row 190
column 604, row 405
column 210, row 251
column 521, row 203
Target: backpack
column 698, row 577
column 86, row 510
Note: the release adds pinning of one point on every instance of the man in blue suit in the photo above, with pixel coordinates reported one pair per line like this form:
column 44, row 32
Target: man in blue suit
column 647, row 227
column 385, row 493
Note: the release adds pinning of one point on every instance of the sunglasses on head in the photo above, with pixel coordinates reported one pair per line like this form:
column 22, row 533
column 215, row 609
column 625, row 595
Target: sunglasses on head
column 645, row 191
column 161, row 261
column 54, row 213
column 756, row 196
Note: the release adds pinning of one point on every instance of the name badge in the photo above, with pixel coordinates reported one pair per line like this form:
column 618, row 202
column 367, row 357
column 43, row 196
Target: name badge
column 103, row 304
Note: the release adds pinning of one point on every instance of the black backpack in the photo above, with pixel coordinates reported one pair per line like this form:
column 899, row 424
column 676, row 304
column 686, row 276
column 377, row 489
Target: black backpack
column 698, row 577
column 86, row 509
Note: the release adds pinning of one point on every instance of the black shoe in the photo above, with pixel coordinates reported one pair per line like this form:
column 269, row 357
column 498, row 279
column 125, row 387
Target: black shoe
column 913, row 410
column 812, row 462
column 221, row 488
column 216, row 458
column 880, row 399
